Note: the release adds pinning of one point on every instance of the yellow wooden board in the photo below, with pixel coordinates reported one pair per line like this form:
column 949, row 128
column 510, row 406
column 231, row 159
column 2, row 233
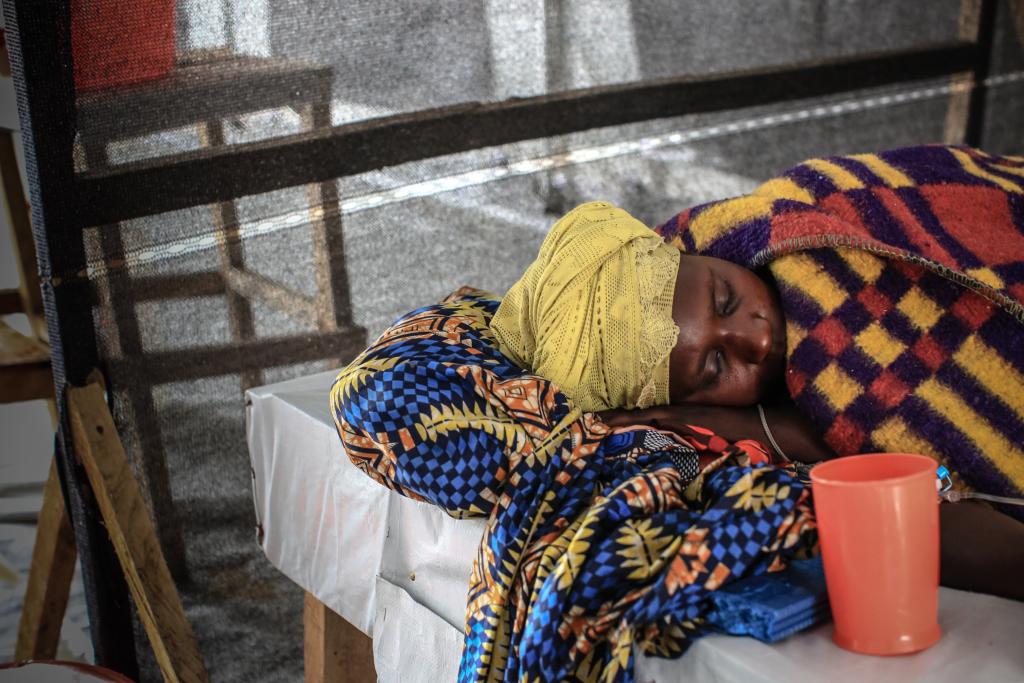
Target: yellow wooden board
column 133, row 535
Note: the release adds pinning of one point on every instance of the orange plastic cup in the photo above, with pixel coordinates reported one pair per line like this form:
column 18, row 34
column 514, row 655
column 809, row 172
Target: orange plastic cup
column 878, row 520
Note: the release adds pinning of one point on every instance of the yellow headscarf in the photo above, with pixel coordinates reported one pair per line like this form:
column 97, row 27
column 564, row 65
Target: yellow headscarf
column 593, row 313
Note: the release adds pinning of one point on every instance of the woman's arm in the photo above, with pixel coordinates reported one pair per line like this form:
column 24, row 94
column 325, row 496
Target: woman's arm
column 981, row 550
column 791, row 430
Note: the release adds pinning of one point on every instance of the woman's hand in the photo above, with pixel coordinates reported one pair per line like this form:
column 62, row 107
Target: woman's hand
column 981, row 550
column 730, row 423
column 791, row 430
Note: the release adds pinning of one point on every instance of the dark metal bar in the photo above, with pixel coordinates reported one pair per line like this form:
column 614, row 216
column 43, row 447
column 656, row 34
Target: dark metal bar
column 976, row 105
column 214, row 175
column 39, row 44
column 180, row 365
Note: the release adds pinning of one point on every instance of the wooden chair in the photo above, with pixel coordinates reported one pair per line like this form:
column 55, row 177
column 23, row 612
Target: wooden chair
column 25, row 375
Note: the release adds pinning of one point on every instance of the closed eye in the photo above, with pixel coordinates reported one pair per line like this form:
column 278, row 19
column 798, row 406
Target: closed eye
column 713, row 372
column 732, row 302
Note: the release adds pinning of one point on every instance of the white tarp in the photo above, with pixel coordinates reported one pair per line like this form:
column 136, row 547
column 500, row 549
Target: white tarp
column 398, row 570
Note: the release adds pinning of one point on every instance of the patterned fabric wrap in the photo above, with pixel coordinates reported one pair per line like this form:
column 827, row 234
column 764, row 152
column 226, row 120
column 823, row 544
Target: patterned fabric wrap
column 901, row 276
column 597, row 541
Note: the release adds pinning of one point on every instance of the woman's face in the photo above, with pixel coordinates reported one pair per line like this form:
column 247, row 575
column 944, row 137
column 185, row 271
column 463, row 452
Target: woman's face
column 732, row 338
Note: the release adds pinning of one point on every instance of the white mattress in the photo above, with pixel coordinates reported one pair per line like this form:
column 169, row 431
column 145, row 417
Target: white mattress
column 398, row 570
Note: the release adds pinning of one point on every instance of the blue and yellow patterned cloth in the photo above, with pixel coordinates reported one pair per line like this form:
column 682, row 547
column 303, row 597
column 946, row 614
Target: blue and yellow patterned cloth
column 597, row 541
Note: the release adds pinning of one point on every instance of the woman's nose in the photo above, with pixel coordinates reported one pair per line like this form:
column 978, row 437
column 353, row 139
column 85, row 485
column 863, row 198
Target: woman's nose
column 750, row 337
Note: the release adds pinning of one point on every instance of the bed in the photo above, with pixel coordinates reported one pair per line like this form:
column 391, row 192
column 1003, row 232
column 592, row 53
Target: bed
column 396, row 570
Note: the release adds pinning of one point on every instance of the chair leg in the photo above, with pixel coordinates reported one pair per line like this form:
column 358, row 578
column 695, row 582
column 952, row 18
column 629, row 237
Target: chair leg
column 335, row 650
column 49, row 579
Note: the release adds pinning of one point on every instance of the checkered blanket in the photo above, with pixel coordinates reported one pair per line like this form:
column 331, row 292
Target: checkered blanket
column 901, row 276
column 598, row 542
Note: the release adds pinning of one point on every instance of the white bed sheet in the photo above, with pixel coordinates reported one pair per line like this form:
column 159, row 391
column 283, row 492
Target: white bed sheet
column 398, row 570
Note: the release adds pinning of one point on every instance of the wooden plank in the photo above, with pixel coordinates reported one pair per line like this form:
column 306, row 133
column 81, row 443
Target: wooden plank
column 333, row 302
column 16, row 207
column 49, row 581
column 162, row 287
column 26, row 383
column 251, row 285
column 180, row 365
column 207, row 176
column 25, row 373
column 958, row 109
column 133, row 535
column 10, row 301
column 215, row 88
column 17, row 349
column 335, row 651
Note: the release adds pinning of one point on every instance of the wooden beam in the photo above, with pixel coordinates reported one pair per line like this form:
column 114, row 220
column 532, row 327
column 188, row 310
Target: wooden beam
column 10, row 302
column 17, row 349
column 207, row 176
column 329, row 271
column 232, row 256
column 133, row 535
column 16, row 207
column 162, row 287
column 180, row 365
column 275, row 295
column 25, row 373
column 335, row 651
column 26, row 383
column 49, row 581
column 214, row 89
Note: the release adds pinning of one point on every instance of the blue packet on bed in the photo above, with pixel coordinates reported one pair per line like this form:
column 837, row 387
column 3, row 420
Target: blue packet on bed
column 772, row 606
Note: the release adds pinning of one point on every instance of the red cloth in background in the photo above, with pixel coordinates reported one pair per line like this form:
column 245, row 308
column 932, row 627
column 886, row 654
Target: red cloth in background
column 116, row 42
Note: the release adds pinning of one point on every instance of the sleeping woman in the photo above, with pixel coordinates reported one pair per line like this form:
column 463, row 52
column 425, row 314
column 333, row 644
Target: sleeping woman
column 634, row 417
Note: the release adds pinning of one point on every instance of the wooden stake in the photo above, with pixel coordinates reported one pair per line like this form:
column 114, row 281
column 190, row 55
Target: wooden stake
column 49, row 581
column 133, row 535
column 335, row 650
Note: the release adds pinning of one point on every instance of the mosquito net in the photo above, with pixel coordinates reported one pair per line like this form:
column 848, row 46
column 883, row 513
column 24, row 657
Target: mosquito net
column 191, row 306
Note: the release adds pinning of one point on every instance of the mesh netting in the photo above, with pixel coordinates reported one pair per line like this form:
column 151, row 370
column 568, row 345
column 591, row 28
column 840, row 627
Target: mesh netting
column 315, row 272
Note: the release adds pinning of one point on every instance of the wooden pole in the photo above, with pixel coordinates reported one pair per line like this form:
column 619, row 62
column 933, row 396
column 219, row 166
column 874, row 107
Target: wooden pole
column 335, row 650
column 49, row 581
column 133, row 535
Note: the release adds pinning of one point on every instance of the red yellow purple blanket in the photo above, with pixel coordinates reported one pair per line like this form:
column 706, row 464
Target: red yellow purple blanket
column 901, row 275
